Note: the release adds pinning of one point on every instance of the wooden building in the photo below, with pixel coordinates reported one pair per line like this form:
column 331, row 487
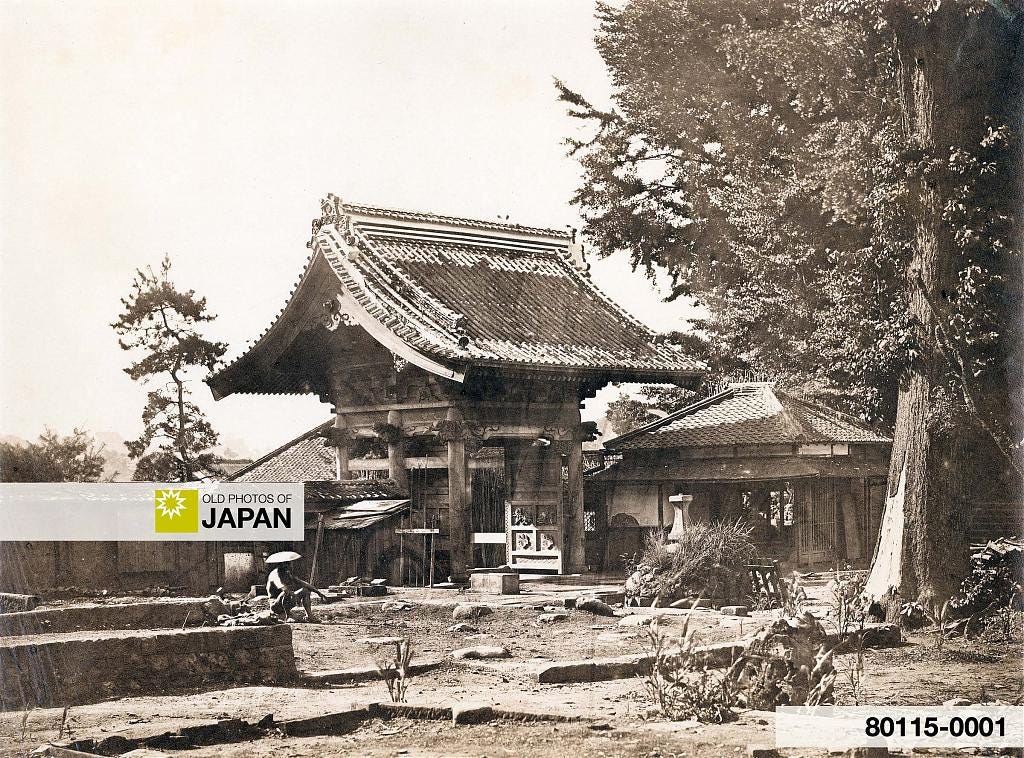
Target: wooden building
column 811, row 480
column 435, row 337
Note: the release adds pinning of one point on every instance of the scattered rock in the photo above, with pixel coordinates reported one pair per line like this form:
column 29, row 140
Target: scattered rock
column 259, row 603
column 636, row 620
column 481, row 651
column 464, row 611
column 379, row 582
column 463, row 628
column 762, row 751
column 213, row 607
column 595, row 606
column 887, row 635
column 390, row 606
column 551, row 618
column 956, row 701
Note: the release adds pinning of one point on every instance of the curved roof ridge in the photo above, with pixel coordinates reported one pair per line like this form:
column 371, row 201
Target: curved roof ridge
column 359, row 286
column 251, row 345
column 427, row 217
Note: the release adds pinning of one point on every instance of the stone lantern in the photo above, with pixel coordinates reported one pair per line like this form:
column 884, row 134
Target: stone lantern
column 681, row 517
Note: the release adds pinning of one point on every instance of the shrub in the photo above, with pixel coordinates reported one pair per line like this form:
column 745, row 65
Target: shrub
column 395, row 669
column 681, row 684
column 786, row 664
column 697, row 561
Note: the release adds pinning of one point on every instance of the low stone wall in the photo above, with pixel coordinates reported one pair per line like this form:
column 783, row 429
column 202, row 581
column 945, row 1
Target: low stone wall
column 76, row 668
column 171, row 613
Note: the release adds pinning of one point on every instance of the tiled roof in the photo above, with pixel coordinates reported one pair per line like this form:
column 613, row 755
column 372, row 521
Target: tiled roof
column 748, row 414
column 468, row 293
column 303, row 459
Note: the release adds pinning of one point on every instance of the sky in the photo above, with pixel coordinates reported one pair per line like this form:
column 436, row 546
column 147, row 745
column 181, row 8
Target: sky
column 210, row 130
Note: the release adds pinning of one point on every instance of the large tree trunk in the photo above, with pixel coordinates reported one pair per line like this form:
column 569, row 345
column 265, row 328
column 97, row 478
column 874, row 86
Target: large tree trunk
column 951, row 67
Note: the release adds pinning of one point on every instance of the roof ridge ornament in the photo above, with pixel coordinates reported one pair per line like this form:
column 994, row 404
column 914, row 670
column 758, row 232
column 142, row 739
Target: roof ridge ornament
column 334, row 213
column 576, row 255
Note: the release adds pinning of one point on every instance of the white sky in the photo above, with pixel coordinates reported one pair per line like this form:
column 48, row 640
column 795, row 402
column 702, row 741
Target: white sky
column 210, row 130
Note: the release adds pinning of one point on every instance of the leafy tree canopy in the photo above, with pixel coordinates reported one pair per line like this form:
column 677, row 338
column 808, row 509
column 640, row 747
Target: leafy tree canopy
column 756, row 152
column 54, row 458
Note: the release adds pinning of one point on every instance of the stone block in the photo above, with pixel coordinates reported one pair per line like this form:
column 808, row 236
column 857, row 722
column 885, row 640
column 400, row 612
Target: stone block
column 495, row 584
column 168, row 613
column 471, row 713
column 734, row 610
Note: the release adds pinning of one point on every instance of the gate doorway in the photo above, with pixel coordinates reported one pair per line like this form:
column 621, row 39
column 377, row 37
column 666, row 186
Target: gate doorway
column 816, row 527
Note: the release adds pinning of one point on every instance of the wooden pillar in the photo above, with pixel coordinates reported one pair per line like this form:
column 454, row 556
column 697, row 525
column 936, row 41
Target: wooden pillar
column 459, row 548
column 661, row 507
column 396, row 452
column 575, row 537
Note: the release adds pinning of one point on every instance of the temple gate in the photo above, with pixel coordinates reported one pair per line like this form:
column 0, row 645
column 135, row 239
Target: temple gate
column 449, row 347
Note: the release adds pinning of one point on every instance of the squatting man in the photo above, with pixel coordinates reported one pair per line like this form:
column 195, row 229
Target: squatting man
column 284, row 587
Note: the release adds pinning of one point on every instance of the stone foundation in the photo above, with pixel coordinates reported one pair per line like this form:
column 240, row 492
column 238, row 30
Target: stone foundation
column 73, row 669
column 154, row 614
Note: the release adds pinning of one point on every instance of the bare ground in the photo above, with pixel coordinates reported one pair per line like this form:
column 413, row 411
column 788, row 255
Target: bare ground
column 618, row 712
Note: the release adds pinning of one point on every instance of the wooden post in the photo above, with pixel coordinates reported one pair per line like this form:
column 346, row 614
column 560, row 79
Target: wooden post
column 575, row 537
column 401, row 559
column 458, row 503
column 316, row 547
column 431, row 561
column 846, row 493
column 661, row 508
column 341, row 470
column 396, row 454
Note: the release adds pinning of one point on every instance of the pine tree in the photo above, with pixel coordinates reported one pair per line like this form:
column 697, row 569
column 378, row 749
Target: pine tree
column 161, row 324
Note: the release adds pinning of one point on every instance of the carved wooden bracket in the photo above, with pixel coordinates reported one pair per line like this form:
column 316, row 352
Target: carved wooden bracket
column 388, row 432
column 334, row 437
column 450, row 431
